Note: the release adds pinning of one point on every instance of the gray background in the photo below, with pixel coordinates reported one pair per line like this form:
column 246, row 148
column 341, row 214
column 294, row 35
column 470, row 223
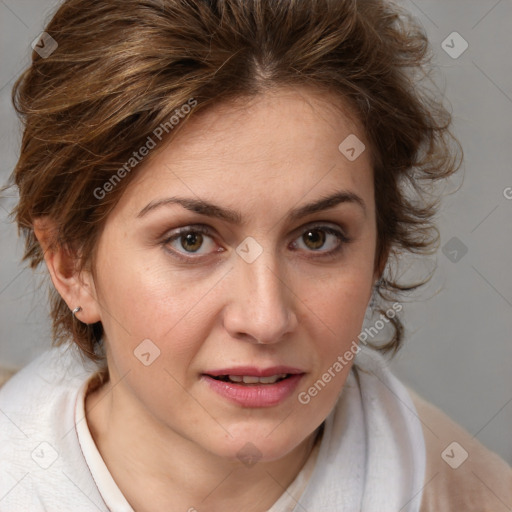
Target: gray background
column 458, row 346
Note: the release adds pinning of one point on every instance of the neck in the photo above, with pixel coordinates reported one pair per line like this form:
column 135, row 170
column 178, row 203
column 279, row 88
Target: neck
column 157, row 469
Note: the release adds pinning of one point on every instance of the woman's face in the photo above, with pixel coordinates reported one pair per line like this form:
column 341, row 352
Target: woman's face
column 259, row 282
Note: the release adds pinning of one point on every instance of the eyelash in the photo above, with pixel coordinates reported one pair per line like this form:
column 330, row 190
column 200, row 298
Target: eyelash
column 204, row 230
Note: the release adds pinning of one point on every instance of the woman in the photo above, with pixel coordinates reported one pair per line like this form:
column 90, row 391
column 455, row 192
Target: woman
column 219, row 191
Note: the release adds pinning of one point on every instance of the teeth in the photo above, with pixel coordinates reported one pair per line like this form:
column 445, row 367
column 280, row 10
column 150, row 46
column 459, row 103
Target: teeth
column 249, row 379
column 269, row 380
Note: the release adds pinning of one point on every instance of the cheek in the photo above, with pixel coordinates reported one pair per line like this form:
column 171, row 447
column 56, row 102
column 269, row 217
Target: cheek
column 336, row 314
column 144, row 296
column 145, row 299
column 339, row 301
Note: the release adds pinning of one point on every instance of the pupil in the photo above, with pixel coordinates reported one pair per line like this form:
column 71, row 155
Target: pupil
column 320, row 238
column 193, row 239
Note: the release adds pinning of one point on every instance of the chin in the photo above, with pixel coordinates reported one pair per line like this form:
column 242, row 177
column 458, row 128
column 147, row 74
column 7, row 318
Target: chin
column 249, row 443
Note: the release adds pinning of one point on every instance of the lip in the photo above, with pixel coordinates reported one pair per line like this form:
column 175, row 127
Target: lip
column 254, row 395
column 253, row 371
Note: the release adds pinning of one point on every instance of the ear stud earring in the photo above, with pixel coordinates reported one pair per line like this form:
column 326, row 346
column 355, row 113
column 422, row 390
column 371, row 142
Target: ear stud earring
column 76, row 310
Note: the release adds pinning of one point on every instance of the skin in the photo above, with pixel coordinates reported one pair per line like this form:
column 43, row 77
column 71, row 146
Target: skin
column 169, row 441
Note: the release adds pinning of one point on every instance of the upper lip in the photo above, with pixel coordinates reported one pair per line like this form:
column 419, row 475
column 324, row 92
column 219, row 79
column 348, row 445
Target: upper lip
column 253, row 371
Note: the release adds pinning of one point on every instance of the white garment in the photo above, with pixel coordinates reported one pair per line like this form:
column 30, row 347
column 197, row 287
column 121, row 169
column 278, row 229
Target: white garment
column 371, row 456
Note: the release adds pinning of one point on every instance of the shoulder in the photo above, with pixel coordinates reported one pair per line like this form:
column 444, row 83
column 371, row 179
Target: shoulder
column 41, row 463
column 6, row 374
column 461, row 473
column 55, row 371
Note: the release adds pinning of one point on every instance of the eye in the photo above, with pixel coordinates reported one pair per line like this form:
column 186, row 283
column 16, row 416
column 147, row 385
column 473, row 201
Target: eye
column 190, row 240
column 316, row 237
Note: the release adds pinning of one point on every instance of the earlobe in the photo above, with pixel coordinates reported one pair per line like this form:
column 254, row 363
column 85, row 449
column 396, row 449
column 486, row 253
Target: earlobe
column 76, row 288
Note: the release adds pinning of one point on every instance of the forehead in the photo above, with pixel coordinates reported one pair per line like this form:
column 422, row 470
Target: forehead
column 254, row 146
column 277, row 125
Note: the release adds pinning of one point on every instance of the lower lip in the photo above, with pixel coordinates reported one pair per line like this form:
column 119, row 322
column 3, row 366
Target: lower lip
column 255, row 395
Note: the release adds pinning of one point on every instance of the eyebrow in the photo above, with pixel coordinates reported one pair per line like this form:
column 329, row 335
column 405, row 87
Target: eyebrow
column 234, row 217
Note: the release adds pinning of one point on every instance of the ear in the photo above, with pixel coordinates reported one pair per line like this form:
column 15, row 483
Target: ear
column 75, row 288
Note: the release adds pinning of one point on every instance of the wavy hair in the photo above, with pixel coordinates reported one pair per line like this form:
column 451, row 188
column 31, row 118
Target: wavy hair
column 123, row 67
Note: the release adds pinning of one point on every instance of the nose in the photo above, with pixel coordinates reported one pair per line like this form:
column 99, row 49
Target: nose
column 261, row 306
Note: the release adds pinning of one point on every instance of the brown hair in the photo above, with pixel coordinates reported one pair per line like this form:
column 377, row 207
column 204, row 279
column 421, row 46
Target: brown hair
column 123, row 67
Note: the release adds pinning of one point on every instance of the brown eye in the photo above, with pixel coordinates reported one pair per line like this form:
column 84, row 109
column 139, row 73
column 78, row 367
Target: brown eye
column 191, row 241
column 314, row 238
column 188, row 241
column 194, row 243
column 322, row 237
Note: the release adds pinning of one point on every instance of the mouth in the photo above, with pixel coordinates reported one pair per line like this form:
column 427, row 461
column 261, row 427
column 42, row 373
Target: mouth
column 253, row 387
column 251, row 380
